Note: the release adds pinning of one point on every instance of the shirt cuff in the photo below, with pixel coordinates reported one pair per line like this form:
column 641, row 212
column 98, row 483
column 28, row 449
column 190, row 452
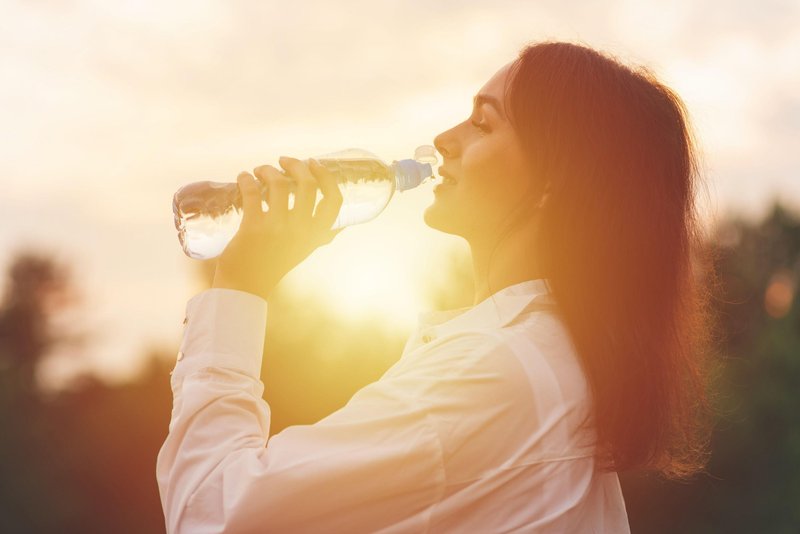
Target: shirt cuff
column 224, row 328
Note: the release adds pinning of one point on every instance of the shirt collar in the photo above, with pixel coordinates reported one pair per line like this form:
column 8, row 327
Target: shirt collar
column 495, row 311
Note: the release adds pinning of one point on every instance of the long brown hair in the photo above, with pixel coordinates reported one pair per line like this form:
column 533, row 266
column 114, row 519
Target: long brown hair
column 618, row 241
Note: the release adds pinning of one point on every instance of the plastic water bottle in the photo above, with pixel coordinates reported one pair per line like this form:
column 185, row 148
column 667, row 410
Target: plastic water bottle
column 208, row 214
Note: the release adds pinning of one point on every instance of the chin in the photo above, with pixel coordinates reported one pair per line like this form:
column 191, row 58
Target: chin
column 437, row 219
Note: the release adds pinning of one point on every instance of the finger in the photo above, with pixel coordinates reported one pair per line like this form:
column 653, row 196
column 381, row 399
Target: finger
column 328, row 208
column 278, row 186
column 251, row 198
column 305, row 195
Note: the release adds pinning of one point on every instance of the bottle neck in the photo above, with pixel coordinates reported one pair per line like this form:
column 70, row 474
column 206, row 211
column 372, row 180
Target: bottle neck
column 410, row 173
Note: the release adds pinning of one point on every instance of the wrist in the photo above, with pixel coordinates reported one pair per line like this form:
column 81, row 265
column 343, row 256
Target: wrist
column 222, row 281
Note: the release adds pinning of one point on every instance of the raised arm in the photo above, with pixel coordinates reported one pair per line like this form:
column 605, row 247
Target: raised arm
column 375, row 463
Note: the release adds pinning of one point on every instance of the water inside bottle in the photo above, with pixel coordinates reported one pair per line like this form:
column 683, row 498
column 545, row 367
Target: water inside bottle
column 205, row 237
column 208, row 214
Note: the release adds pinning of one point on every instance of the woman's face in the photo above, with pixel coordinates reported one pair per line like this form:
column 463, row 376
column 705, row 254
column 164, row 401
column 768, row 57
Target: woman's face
column 483, row 157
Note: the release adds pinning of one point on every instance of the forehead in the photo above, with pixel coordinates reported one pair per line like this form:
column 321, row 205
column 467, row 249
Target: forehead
column 496, row 85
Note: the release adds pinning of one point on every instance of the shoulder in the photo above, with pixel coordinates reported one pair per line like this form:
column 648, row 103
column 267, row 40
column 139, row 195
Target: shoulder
column 544, row 346
column 476, row 372
column 456, row 355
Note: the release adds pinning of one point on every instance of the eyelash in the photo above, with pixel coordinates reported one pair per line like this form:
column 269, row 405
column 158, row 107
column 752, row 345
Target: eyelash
column 479, row 126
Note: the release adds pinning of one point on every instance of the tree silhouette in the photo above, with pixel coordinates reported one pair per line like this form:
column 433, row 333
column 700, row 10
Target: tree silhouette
column 37, row 289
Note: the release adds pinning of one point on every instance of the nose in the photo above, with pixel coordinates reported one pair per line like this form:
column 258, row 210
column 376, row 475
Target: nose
column 439, row 143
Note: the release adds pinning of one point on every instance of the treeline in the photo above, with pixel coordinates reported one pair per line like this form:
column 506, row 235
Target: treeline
column 83, row 461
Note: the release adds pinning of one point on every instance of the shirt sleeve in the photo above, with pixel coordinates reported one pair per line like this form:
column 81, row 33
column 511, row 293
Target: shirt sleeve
column 374, row 465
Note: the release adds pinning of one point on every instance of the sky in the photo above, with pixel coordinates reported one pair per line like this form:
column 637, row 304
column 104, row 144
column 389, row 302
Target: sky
column 108, row 107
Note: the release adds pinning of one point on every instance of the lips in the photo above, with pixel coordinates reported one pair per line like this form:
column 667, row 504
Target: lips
column 447, row 178
column 447, row 181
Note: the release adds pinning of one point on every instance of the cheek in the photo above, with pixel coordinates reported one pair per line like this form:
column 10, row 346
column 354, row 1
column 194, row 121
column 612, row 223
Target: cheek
column 495, row 175
column 492, row 182
column 497, row 155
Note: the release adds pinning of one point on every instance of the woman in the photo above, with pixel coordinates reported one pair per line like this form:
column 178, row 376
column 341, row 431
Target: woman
column 573, row 182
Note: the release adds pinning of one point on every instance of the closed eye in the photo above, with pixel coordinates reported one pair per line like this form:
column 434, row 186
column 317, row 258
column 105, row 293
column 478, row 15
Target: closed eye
column 480, row 126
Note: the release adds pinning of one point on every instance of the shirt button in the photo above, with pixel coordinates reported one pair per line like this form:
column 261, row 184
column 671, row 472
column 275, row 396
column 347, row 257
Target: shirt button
column 427, row 339
column 180, row 355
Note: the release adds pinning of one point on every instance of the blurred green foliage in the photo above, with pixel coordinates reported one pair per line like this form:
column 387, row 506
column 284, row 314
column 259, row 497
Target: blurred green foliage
column 83, row 461
column 753, row 481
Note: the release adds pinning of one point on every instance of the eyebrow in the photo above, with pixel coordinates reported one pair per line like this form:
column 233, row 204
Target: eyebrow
column 481, row 98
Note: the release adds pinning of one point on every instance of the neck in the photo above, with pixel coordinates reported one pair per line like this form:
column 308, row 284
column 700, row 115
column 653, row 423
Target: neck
column 513, row 261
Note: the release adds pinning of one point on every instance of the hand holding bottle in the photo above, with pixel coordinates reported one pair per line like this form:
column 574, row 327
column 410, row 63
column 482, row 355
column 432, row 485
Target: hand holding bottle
column 207, row 214
column 269, row 244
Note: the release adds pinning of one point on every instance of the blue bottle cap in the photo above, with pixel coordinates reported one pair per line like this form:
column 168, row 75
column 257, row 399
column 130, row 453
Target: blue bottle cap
column 410, row 173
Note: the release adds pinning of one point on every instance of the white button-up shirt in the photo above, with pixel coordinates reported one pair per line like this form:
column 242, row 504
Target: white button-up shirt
column 473, row 430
